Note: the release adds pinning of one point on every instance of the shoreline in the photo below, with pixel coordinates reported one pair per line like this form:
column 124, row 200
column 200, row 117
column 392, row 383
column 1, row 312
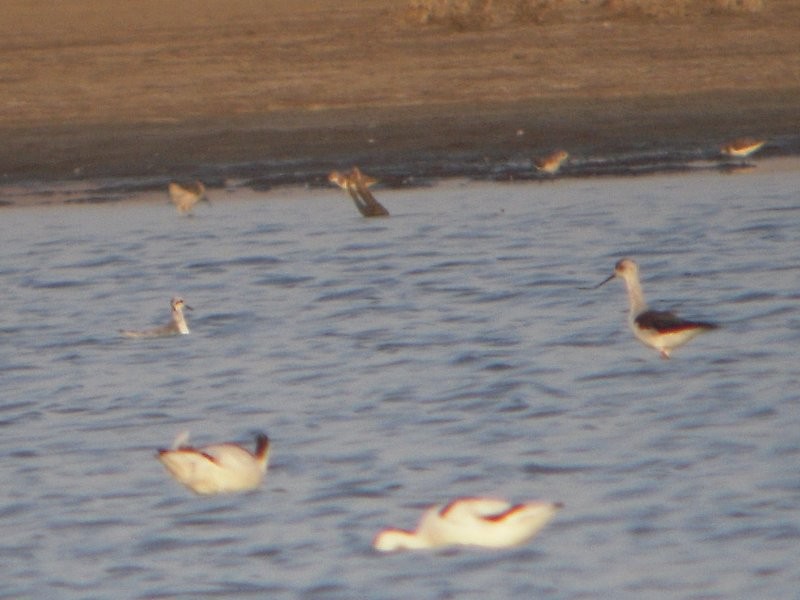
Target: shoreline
column 436, row 140
column 43, row 194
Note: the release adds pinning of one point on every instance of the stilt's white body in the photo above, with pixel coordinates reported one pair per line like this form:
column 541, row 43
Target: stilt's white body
column 485, row 522
column 218, row 468
column 177, row 326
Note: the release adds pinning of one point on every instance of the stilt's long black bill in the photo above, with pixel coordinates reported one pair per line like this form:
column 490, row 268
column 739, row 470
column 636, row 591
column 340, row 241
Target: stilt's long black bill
column 605, row 281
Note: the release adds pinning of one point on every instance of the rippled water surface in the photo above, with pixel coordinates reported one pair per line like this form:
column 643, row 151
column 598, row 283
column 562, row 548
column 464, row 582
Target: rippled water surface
column 400, row 362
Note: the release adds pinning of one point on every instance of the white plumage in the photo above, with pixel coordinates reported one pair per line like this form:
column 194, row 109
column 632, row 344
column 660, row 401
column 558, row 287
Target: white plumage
column 485, row 522
column 217, row 468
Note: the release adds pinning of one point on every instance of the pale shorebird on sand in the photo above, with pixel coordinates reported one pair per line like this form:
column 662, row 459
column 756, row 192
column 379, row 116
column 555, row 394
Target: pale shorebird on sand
column 485, row 522
column 742, row 147
column 357, row 185
column 661, row 330
column 551, row 163
column 176, row 326
column 185, row 196
column 218, row 468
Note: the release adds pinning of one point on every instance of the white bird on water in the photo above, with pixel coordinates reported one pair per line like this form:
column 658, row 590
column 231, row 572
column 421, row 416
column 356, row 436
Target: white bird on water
column 217, row 468
column 177, row 326
column 484, row 522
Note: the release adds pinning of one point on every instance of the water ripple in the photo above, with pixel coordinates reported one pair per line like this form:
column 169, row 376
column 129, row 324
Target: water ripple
column 443, row 352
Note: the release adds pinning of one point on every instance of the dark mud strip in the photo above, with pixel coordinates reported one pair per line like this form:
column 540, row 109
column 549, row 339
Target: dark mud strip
column 408, row 145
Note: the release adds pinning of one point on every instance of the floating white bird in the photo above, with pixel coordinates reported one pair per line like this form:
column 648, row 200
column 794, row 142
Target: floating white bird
column 185, row 196
column 661, row 330
column 485, row 522
column 218, row 468
column 357, row 184
column 176, row 326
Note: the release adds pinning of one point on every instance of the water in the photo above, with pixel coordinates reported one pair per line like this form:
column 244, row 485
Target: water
column 396, row 363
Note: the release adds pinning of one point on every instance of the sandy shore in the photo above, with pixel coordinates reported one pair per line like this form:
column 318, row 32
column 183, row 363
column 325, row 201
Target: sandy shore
column 236, row 87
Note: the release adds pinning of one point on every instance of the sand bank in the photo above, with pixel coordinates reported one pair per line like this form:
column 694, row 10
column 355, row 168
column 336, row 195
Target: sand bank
column 236, row 87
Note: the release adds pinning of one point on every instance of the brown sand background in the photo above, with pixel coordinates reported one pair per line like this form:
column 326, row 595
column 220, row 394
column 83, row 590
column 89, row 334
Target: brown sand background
column 102, row 88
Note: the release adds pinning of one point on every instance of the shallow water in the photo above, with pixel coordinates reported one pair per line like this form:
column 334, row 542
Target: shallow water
column 395, row 363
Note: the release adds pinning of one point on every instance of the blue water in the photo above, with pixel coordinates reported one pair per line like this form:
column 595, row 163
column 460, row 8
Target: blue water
column 396, row 363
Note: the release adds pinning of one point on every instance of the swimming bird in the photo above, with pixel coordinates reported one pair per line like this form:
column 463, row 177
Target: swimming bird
column 485, row 522
column 661, row 330
column 218, row 468
column 357, row 185
column 176, row 326
column 742, row 147
column 185, row 196
column 551, row 163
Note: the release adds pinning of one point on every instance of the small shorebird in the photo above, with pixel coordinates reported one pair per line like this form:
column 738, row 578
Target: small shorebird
column 551, row 163
column 741, row 147
column 357, row 185
column 661, row 330
column 184, row 197
column 485, row 522
column 218, row 468
column 342, row 180
column 176, row 326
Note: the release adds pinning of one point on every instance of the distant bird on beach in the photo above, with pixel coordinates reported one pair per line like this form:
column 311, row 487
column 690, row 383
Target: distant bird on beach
column 176, row 326
column 742, row 147
column 485, row 522
column 342, row 179
column 551, row 163
column 185, row 196
column 218, row 468
column 357, row 184
column 661, row 330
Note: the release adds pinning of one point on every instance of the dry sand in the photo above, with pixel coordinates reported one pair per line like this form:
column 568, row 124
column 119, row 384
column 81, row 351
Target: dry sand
column 105, row 88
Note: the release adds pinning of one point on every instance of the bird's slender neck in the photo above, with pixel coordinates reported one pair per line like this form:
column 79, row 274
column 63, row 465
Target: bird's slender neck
column 179, row 320
column 635, row 296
